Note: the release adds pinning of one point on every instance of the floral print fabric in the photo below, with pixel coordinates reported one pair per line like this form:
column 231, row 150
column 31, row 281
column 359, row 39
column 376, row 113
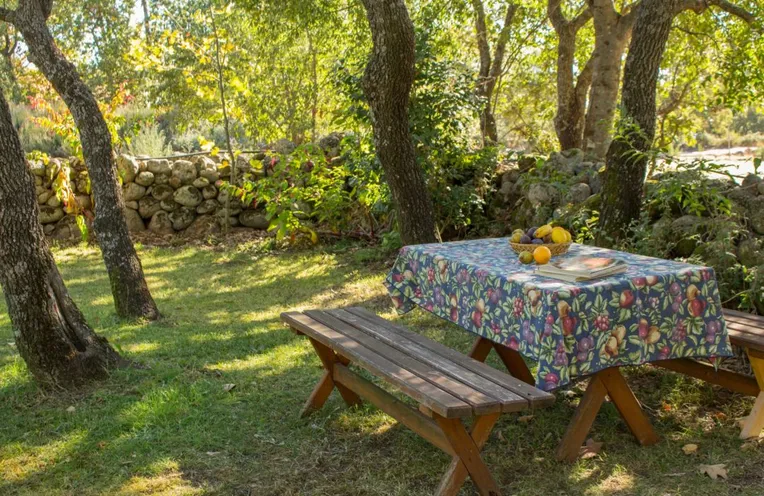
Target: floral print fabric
column 656, row 310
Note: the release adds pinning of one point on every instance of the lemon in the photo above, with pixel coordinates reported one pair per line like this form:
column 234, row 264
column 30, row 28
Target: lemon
column 559, row 235
column 542, row 255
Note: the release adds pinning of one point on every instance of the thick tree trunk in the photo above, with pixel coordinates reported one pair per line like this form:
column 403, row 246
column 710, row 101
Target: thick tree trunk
column 490, row 67
column 571, row 90
column 387, row 84
column 128, row 285
column 51, row 334
column 611, row 35
column 627, row 156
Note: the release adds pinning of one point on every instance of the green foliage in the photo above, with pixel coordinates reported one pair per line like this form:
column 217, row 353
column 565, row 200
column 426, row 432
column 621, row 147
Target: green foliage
column 688, row 190
column 148, row 141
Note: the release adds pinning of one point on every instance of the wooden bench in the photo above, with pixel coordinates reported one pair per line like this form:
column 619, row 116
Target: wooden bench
column 448, row 385
column 746, row 331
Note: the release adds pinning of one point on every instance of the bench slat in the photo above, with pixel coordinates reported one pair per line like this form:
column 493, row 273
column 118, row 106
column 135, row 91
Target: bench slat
column 481, row 403
column 748, row 318
column 536, row 397
column 417, row 388
column 510, row 401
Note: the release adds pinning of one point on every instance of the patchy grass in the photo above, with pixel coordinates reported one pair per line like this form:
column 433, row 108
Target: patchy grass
column 171, row 429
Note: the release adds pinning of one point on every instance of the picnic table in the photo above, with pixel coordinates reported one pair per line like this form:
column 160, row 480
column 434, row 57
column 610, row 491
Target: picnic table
column 657, row 310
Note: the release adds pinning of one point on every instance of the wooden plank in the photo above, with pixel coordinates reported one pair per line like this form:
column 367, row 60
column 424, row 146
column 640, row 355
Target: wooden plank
column 515, row 364
column 582, row 421
column 751, row 319
column 417, row 388
column 481, row 403
column 469, row 455
column 480, row 349
column 755, row 422
column 738, row 383
column 330, row 359
column 319, row 395
column 536, row 397
column 456, row 473
column 392, row 406
column 745, row 340
column 624, row 400
column 509, row 401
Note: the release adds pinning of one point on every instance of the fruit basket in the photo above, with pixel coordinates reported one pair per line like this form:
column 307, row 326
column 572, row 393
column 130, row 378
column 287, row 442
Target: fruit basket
column 555, row 248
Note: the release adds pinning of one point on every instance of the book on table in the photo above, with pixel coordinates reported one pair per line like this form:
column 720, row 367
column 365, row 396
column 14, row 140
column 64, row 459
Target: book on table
column 577, row 269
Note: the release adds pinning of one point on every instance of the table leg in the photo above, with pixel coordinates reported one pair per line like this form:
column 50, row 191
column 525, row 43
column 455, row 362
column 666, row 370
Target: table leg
column 755, row 422
column 608, row 382
column 512, row 360
column 326, row 385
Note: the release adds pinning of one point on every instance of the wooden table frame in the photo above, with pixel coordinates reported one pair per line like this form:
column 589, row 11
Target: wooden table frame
column 608, row 382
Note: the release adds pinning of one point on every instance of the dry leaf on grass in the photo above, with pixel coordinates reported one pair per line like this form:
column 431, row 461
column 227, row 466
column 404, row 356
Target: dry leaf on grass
column 500, row 436
column 525, row 419
column 228, row 387
column 690, row 449
column 71, row 409
column 714, row 471
column 590, row 449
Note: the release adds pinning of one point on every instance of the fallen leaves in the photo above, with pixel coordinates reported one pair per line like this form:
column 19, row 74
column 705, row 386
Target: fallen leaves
column 714, row 471
column 71, row 409
column 525, row 419
column 590, row 449
column 228, row 387
column 690, row 449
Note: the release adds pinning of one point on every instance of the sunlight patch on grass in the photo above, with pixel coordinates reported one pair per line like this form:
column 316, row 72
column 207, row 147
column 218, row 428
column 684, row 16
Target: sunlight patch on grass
column 169, row 483
column 14, row 373
column 619, row 482
column 273, row 363
column 20, row 461
column 141, row 347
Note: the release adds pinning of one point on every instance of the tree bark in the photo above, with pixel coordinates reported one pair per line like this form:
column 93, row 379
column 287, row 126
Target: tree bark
column 146, row 19
column 627, row 155
column 387, row 83
column 611, row 35
column 51, row 334
column 490, row 67
column 128, row 285
column 571, row 90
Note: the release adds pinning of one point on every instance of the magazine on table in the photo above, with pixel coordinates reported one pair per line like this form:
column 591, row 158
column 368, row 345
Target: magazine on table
column 584, row 268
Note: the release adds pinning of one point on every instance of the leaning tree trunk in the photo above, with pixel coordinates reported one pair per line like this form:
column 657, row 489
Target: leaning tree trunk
column 571, row 90
column 611, row 35
column 52, row 337
column 128, row 285
column 387, row 83
column 627, row 156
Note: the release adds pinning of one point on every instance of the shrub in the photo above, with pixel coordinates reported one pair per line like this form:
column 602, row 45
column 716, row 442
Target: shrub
column 149, row 141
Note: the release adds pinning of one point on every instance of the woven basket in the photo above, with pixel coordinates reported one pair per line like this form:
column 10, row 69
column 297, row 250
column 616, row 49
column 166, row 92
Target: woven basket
column 555, row 248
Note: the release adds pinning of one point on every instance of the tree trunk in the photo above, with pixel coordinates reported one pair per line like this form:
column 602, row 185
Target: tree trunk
column 490, row 67
column 51, row 334
column 387, row 83
column 146, row 19
column 571, row 90
column 128, row 285
column 627, row 156
column 611, row 35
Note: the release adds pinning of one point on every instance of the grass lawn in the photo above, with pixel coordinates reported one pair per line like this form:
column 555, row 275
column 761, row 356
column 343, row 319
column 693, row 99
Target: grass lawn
column 172, row 429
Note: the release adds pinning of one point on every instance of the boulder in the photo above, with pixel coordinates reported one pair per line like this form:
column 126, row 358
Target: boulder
column 207, row 207
column 127, row 167
column 145, row 178
column 201, row 182
column 161, row 179
column 161, row 223
column 685, row 233
column 66, row 229
column 330, row 144
column 211, row 175
column 254, row 219
column 511, row 176
column 188, row 196
column 148, row 206
column 568, row 161
column 84, row 202
column 543, row 194
column 750, row 252
column 175, row 182
column 756, row 214
column 43, row 197
column 209, row 192
column 201, row 227
column 159, row 166
column 53, row 201
column 132, row 204
column 579, row 193
column 751, row 181
column 283, row 146
column 161, row 192
column 49, row 215
column 133, row 192
column 37, row 168
column 184, row 170
column 182, row 218
column 760, row 188
column 134, row 221
column 82, row 184
column 169, row 205
column 37, row 181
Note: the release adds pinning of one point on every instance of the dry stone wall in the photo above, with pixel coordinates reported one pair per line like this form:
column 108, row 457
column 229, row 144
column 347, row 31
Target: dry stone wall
column 161, row 195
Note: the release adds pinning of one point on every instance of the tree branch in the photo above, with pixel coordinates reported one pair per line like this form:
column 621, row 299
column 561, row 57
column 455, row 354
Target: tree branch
column 700, row 6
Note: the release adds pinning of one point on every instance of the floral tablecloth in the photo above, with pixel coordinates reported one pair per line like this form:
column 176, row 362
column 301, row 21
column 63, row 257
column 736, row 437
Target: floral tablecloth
column 657, row 310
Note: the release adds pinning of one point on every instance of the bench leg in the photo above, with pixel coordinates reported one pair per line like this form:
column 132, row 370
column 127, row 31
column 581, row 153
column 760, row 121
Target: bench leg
column 608, row 382
column 755, row 422
column 467, row 461
column 326, row 385
column 512, row 360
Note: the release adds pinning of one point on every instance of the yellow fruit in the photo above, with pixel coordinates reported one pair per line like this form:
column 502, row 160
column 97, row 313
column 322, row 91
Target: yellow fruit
column 542, row 231
column 526, row 257
column 517, row 236
column 542, row 255
column 568, row 237
column 558, row 235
